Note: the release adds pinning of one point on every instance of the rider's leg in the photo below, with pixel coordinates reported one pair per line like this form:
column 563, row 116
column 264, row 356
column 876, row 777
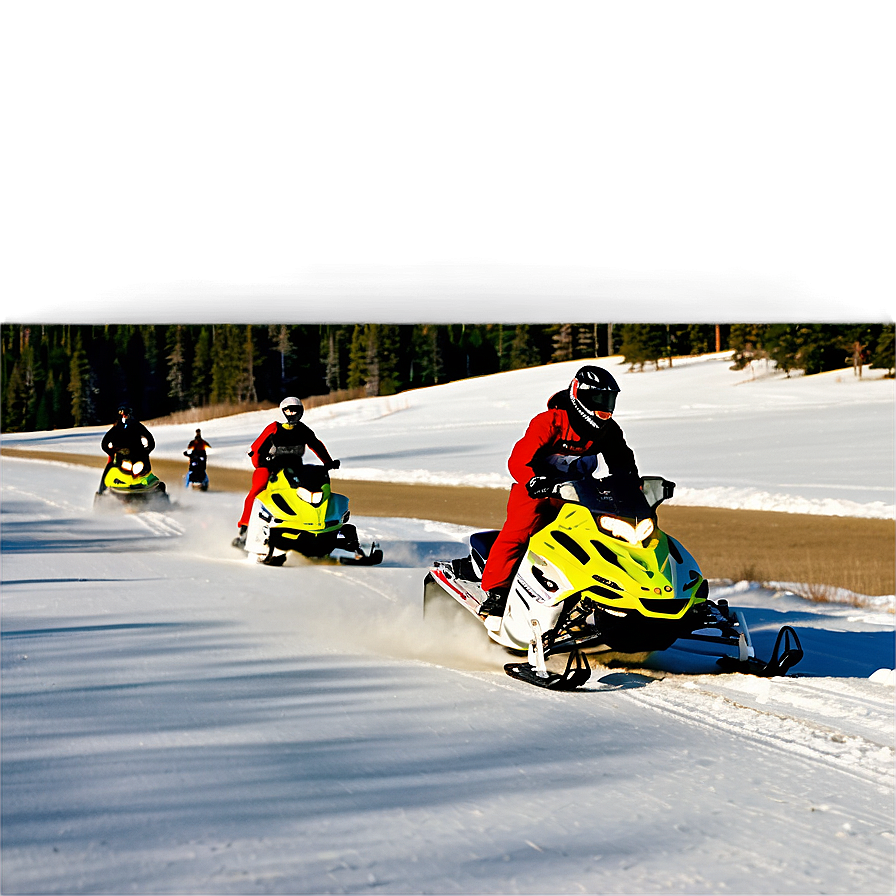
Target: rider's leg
column 525, row 515
column 259, row 481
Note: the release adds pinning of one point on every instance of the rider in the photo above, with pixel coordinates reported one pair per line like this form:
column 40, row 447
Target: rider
column 277, row 441
column 198, row 459
column 129, row 438
column 577, row 424
column 198, row 444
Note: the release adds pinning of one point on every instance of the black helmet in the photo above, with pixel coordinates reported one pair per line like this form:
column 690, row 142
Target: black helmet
column 124, row 410
column 592, row 394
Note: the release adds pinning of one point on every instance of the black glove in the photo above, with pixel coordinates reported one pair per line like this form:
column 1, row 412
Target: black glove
column 539, row 486
column 186, row 453
column 332, row 465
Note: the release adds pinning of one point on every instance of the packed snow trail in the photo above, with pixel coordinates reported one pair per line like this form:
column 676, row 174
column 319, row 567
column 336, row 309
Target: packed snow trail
column 176, row 719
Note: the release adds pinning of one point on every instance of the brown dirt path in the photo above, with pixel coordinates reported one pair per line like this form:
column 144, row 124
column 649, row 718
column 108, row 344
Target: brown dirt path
column 846, row 552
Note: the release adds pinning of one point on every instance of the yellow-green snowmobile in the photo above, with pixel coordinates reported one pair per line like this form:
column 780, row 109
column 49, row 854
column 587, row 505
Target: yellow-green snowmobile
column 298, row 511
column 132, row 482
column 602, row 577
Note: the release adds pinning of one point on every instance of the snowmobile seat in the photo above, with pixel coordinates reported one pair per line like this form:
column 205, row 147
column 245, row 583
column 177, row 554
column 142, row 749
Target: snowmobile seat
column 480, row 544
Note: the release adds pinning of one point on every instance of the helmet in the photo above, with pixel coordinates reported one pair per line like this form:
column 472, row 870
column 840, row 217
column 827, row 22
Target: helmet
column 592, row 394
column 292, row 409
column 124, row 410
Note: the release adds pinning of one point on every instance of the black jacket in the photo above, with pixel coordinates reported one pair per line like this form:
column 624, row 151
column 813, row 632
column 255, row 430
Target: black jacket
column 132, row 436
column 278, row 445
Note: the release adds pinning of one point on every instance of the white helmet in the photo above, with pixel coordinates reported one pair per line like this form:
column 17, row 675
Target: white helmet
column 292, row 409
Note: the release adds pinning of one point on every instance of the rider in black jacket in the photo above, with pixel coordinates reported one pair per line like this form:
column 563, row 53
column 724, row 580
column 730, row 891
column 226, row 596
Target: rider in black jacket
column 129, row 438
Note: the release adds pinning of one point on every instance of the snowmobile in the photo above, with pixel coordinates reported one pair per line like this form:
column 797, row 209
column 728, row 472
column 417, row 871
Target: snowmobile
column 197, row 475
column 603, row 578
column 298, row 511
column 132, row 482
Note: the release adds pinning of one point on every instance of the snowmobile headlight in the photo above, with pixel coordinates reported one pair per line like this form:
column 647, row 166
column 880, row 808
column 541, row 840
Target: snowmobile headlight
column 626, row 531
column 137, row 468
column 309, row 497
column 126, row 465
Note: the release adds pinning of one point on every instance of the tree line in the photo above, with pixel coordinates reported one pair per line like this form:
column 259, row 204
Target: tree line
column 62, row 375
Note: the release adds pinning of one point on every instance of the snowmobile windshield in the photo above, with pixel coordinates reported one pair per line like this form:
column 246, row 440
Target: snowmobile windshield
column 310, row 476
column 599, row 496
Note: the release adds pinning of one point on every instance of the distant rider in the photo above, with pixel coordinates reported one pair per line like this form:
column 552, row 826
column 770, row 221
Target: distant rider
column 577, row 424
column 128, row 438
column 277, row 443
column 196, row 452
column 196, row 449
column 198, row 444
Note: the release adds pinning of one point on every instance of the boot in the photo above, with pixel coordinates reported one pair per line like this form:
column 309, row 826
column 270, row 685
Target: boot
column 240, row 540
column 494, row 603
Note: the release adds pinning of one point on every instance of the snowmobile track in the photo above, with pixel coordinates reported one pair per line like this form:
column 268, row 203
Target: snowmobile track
column 771, row 728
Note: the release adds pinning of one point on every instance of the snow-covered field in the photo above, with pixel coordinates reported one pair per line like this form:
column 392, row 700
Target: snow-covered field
column 177, row 720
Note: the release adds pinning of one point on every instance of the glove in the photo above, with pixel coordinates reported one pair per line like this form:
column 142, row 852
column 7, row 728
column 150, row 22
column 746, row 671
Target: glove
column 539, row 486
column 186, row 453
column 332, row 465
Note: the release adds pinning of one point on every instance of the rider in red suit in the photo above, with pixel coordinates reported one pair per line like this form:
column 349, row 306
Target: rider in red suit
column 277, row 442
column 578, row 423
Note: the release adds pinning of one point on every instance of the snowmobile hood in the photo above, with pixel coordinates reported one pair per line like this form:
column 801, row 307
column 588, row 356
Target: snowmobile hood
column 657, row 578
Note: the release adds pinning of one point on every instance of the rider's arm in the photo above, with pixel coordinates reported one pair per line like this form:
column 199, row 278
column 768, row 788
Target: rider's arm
column 147, row 439
column 317, row 446
column 619, row 457
column 540, row 434
column 107, row 444
column 261, row 446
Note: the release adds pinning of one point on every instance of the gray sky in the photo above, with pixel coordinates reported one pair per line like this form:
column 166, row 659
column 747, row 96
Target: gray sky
column 747, row 143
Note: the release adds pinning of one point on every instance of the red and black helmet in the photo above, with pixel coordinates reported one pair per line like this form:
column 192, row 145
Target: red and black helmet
column 592, row 394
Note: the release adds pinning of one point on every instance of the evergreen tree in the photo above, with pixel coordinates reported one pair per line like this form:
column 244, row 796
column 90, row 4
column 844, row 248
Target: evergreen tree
column 332, row 369
column 562, row 336
column 357, row 359
column 523, row 352
column 228, row 352
column 883, row 354
column 177, row 374
column 16, row 398
column 586, row 341
column 643, row 343
column 747, row 341
column 388, row 343
column 786, row 346
column 201, row 378
column 79, row 384
column 279, row 335
column 426, row 366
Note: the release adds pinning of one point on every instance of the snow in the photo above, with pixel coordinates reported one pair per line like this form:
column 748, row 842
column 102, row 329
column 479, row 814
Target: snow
column 176, row 719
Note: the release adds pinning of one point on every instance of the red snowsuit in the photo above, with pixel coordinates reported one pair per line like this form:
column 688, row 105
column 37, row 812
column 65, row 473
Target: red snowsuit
column 549, row 433
column 277, row 435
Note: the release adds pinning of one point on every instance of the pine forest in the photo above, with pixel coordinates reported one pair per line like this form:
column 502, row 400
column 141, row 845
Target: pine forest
column 63, row 375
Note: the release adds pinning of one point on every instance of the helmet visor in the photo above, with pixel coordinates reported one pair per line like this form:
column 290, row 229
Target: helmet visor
column 597, row 401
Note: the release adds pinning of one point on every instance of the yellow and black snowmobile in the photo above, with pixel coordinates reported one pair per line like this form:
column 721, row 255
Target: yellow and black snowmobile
column 132, row 482
column 602, row 577
column 298, row 511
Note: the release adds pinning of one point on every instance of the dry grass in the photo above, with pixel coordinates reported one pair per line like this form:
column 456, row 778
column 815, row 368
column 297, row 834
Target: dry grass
column 230, row 408
column 858, row 555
